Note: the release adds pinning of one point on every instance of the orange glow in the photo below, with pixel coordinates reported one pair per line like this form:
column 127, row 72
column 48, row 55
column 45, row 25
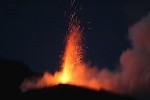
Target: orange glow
column 74, row 70
column 73, row 52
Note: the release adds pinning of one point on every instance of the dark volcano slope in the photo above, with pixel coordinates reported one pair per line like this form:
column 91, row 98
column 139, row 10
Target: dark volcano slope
column 63, row 91
column 14, row 72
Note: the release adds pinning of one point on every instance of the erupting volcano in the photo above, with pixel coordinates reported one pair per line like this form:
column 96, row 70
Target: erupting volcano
column 130, row 76
column 74, row 70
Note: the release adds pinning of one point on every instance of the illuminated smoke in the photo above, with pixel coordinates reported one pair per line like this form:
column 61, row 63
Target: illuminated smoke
column 133, row 76
column 135, row 61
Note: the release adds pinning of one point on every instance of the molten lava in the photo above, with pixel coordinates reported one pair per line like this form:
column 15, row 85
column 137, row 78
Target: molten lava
column 73, row 69
column 72, row 58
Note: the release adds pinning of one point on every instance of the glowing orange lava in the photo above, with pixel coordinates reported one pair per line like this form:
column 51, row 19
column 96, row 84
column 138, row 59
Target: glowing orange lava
column 72, row 58
column 73, row 69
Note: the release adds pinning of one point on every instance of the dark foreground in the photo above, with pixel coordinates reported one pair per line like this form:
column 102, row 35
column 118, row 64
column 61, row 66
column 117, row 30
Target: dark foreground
column 14, row 72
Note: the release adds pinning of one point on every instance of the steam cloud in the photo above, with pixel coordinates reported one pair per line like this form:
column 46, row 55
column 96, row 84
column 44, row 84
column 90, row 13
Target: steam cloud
column 134, row 72
column 135, row 62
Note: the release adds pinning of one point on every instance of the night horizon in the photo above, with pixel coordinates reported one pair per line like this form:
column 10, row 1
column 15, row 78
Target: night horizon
column 115, row 41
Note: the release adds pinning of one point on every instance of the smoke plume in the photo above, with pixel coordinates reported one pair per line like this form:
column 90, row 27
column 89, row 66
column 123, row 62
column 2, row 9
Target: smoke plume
column 133, row 76
column 135, row 61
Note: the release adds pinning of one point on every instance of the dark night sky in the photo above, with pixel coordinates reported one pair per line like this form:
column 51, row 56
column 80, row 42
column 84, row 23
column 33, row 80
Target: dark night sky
column 33, row 32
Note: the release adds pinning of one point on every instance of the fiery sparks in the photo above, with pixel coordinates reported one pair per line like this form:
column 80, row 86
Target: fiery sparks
column 74, row 70
column 72, row 58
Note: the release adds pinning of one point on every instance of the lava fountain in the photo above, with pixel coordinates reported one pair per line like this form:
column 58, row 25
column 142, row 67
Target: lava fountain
column 74, row 70
column 73, row 55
